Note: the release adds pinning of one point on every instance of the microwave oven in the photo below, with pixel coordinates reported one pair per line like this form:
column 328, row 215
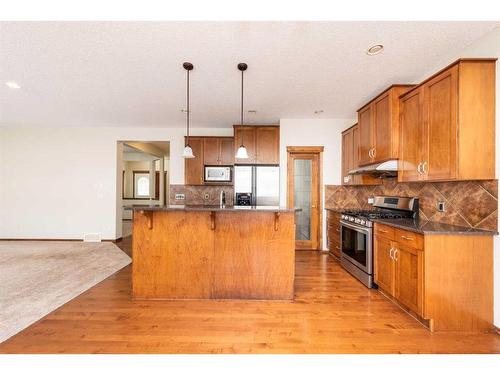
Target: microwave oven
column 217, row 174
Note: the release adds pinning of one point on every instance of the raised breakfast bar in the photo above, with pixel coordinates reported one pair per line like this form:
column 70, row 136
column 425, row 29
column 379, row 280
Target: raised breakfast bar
column 213, row 252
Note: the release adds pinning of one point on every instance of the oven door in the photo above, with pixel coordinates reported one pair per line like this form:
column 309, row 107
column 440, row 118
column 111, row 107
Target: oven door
column 356, row 245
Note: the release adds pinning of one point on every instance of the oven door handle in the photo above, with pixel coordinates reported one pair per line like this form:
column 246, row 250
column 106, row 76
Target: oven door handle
column 355, row 227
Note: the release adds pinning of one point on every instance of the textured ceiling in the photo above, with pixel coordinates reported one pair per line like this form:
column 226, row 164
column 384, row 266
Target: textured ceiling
column 130, row 73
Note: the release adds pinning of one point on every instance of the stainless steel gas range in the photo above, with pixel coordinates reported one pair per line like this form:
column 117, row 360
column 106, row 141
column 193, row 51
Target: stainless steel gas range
column 356, row 233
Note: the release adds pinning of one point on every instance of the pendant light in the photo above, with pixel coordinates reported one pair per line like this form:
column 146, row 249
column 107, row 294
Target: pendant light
column 242, row 150
column 187, row 153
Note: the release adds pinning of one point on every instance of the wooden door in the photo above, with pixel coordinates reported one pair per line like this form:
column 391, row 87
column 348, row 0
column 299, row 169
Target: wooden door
column 347, row 156
column 384, row 264
column 409, row 277
column 193, row 168
column 440, row 113
column 365, row 135
column 304, row 193
column 267, row 143
column 249, row 136
column 226, row 151
column 412, row 137
column 211, row 151
column 382, row 128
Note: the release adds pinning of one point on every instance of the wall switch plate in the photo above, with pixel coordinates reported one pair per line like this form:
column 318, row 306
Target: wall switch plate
column 370, row 200
column 441, row 207
column 206, row 196
column 180, row 196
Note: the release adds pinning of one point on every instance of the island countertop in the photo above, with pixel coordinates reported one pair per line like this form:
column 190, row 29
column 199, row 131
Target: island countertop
column 170, row 207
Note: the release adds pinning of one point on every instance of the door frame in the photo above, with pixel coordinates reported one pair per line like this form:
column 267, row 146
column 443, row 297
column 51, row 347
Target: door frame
column 297, row 150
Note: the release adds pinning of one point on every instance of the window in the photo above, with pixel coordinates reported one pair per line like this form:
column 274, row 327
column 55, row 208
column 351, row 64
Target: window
column 141, row 185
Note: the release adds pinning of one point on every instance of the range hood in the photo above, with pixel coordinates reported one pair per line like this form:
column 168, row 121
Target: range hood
column 388, row 168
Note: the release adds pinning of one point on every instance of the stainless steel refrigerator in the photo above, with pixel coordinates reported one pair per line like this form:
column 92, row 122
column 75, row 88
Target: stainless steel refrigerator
column 262, row 182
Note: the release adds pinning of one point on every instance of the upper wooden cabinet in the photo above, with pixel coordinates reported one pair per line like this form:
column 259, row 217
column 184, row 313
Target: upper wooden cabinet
column 218, row 150
column 448, row 125
column 350, row 161
column 378, row 123
column 194, row 168
column 207, row 151
column 262, row 144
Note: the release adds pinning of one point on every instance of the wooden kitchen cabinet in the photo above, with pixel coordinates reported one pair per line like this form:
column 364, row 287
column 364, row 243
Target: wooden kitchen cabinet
column 384, row 264
column 350, row 161
column 194, row 168
column 448, row 125
column 333, row 232
column 378, row 123
column 218, row 151
column 437, row 276
column 261, row 142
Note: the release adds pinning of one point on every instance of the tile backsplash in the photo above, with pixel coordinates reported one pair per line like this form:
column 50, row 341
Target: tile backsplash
column 467, row 203
column 195, row 195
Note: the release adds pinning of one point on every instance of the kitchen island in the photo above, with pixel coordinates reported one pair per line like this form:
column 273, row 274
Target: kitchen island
column 213, row 252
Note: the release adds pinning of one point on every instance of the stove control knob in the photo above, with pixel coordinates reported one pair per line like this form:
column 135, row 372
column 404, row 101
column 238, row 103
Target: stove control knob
column 362, row 222
column 351, row 219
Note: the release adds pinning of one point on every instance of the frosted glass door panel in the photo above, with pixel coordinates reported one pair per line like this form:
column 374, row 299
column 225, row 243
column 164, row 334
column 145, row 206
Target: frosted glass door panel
column 302, row 198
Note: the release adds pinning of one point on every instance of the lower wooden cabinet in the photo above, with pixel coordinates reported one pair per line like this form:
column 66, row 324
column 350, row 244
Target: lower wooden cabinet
column 399, row 268
column 333, row 232
column 444, row 279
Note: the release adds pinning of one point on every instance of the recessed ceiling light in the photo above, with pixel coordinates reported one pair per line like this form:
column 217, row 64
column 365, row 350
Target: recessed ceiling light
column 318, row 111
column 373, row 50
column 252, row 111
column 12, row 85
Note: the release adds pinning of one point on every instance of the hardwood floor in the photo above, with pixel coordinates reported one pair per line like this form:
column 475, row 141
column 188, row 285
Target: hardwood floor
column 332, row 313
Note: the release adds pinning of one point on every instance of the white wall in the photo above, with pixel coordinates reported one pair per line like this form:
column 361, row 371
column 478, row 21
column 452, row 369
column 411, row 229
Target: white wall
column 314, row 132
column 62, row 182
column 487, row 46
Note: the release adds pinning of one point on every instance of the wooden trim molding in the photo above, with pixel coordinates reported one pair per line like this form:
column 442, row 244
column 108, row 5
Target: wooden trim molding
column 305, row 149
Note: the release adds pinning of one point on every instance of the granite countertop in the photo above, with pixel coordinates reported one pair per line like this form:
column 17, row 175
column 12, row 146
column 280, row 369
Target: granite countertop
column 145, row 207
column 432, row 227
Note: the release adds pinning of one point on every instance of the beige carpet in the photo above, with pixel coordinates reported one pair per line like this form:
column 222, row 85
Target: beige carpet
column 36, row 277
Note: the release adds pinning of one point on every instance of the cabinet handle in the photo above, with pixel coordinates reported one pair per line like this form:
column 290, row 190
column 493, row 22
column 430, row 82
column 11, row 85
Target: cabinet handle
column 418, row 168
column 370, row 153
column 396, row 253
column 337, row 247
column 383, row 231
column 374, row 152
column 423, row 168
column 390, row 253
column 407, row 238
column 338, row 230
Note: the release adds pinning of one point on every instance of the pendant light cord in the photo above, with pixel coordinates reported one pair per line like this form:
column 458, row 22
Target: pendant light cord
column 241, row 124
column 187, row 138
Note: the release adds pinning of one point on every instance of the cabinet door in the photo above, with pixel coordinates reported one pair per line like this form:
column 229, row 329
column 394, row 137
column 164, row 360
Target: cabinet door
column 365, row 135
column 248, row 133
column 267, row 145
column 409, row 277
column 412, row 136
column 382, row 128
column 384, row 264
column 226, row 151
column 193, row 168
column 347, row 156
column 440, row 114
column 211, row 151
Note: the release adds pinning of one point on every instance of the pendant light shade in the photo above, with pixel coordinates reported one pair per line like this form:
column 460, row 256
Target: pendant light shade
column 242, row 152
column 187, row 153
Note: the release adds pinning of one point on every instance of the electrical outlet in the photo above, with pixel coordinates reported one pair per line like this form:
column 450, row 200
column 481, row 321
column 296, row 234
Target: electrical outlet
column 180, row 197
column 441, row 207
column 370, row 200
column 207, row 196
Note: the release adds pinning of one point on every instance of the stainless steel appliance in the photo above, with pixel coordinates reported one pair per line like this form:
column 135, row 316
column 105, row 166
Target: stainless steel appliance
column 356, row 233
column 217, row 174
column 243, row 199
column 262, row 183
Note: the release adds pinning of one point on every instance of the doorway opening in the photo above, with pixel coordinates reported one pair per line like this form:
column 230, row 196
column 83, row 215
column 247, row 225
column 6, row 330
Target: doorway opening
column 304, row 171
column 142, row 179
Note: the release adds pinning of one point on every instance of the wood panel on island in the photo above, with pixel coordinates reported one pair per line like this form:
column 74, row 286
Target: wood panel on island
column 333, row 232
column 444, row 280
column 205, row 253
column 448, row 125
